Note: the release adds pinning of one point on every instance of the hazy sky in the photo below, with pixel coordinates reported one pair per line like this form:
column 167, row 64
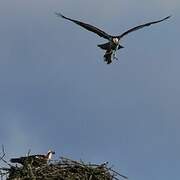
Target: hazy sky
column 57, row 93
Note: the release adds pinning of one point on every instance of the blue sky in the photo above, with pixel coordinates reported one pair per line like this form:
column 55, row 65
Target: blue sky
column 57, row 93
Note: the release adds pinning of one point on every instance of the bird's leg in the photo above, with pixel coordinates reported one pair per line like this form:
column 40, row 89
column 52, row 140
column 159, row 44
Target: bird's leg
column 114, row 52
column 114, row 55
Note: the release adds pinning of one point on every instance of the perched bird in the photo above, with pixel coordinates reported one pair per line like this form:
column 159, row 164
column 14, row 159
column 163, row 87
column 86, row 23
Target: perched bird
column 113, row 43
column 34, row 160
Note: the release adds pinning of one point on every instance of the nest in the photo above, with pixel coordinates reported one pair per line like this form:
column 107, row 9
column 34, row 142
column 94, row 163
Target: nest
column 63, row 169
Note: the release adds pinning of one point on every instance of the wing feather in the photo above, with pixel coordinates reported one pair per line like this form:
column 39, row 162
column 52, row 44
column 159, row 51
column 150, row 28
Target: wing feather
column 142, row 26
column 87, row 26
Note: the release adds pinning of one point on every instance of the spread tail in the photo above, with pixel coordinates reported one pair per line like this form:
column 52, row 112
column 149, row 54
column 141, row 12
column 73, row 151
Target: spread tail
column 104, row 46
column 107, row 46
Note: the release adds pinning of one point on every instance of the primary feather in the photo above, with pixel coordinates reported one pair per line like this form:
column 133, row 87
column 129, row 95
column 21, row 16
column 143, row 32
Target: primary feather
column 87, row 26
column 142, row 26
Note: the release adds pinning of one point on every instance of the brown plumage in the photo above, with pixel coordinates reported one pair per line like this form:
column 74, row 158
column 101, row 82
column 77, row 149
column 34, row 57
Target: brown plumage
column 34, row 160
column 113, row 43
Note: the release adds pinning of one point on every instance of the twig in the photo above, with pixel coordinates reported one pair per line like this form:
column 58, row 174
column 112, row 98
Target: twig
column 125, row 177
column 29, row 151
column 2, row 157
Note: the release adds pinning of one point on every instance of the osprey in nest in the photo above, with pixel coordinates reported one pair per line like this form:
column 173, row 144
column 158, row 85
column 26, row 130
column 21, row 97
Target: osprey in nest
column 34, row 160
column 113, row 43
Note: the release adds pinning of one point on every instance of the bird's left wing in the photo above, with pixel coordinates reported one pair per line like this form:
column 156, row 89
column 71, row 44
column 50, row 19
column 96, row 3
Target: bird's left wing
column 87, row 26
column 142, row 26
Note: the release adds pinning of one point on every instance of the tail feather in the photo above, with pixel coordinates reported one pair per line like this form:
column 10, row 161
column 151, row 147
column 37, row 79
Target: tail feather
column 104, row 46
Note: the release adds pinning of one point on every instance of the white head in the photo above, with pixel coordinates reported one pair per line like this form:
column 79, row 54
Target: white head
column 116, row 40
column 49, row 154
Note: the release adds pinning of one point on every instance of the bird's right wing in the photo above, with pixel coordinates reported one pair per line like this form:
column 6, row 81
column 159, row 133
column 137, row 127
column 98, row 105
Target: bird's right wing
column 142, row 26
column 87, row 26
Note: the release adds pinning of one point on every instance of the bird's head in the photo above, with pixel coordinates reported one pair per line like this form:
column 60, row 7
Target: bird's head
column 49, row 154
column 115, row 40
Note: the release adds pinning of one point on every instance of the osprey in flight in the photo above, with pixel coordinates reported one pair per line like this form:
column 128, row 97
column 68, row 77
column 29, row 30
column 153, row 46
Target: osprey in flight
column 113, row 43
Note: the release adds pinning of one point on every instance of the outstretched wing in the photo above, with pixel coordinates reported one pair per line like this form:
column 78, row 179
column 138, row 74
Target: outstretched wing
column 87, row 26
column 142, row 26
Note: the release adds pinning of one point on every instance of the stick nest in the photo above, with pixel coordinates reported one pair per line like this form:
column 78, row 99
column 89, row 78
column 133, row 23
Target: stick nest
column 63, row 169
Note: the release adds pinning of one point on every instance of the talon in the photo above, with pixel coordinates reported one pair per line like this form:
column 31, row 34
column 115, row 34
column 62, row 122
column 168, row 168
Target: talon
column 114, row 57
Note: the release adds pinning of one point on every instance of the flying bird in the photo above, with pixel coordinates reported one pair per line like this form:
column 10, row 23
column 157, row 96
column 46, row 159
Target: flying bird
column 34, row 160
column 113, row 43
